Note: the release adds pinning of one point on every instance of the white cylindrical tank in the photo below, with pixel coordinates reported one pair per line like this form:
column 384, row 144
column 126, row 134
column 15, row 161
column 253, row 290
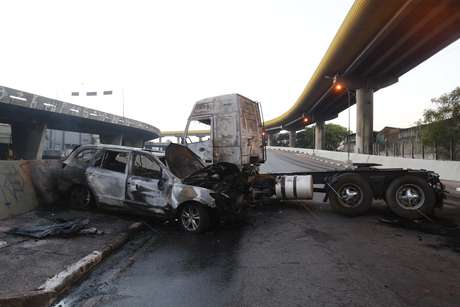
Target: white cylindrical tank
column 294, row 187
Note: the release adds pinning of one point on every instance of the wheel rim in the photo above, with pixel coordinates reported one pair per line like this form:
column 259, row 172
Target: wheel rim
column 410, row 197
column 351, row 195
column 190, row 218
column 81, row 197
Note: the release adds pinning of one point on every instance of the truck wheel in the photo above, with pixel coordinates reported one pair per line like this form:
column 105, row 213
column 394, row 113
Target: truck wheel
column 410, row 197
column 352, row 195
column 80, row 197
column 194, row 218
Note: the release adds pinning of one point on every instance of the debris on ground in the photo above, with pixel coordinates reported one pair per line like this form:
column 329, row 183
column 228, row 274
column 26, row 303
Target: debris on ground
column 399, row 221
column 3, row 244
column 59, row 228
column 440, row 227
column 91, row 231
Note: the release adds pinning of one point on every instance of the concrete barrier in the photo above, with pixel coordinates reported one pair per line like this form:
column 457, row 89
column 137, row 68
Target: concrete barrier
column 26, row 184
column 17, row 194
column 448, row 170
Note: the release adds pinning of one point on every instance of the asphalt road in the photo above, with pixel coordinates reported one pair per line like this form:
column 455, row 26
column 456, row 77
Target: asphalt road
column 285, row 255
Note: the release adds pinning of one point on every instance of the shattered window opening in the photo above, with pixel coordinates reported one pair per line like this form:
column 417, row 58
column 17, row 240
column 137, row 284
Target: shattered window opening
column 85, row 156
column 144, row 167
column 115, row 161
column 202, row 124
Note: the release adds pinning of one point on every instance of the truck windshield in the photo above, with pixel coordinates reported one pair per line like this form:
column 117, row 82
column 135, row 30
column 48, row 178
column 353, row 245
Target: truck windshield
column 198, row 130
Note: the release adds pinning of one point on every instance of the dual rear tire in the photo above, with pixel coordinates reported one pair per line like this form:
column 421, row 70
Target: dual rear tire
column 410, row 197
column 350, row 195
column 407, row 196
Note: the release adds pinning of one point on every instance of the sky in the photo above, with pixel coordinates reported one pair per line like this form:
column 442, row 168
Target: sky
column 159, row 57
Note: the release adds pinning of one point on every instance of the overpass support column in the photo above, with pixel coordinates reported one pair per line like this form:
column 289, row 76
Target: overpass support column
column 28, row 140
column 320, row 135
column 364, row 120
column 112, row 139
column 292, row 138
column 269, row 139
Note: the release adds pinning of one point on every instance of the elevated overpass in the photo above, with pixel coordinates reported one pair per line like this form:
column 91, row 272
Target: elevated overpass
column 30, row 115
column 378, row 42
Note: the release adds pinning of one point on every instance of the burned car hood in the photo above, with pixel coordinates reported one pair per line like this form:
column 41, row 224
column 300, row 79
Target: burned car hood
column 182, row 161
column 226, row 181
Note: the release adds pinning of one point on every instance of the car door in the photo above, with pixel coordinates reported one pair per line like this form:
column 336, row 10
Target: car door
column 146, row 184
column 74, row 168
column 107, row 178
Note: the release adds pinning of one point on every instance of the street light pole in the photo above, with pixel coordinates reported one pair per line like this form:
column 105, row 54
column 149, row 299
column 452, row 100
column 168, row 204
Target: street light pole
column 123, row 102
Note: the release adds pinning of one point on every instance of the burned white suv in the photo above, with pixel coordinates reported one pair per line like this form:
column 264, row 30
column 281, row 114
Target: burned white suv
column 177, row 185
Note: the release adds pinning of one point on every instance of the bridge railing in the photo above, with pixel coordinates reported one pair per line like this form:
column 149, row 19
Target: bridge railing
column 32, row 101
column 449, row 170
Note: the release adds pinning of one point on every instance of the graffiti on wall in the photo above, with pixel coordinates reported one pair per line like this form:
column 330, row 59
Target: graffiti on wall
column 11, row 185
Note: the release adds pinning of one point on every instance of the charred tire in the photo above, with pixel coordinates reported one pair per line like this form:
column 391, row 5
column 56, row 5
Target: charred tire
column 194, row 218
column 410, row 197
column 354, row 195
column 80, row 197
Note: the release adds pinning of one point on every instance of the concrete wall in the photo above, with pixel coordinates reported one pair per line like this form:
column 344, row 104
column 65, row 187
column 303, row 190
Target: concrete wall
column 26, row 184
column 448, row 170
column 17, row 194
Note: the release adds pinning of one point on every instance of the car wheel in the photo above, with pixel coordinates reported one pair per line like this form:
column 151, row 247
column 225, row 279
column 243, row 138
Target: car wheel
column 410, row 197
column 350, row 195
column 194, row 218
column 80, row 197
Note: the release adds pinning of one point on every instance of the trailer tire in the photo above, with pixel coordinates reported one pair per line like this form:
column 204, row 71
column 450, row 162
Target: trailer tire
column 355, row 195
column 410, row 197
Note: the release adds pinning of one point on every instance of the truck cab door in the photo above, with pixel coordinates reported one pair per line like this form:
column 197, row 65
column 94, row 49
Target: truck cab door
column 146, row 184
column 202, row 146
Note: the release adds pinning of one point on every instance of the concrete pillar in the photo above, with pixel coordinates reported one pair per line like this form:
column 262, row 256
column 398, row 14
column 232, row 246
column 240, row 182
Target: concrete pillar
column 292, row 138
column 200, row 139
column 113, row 139
column 320, row 135
column 28, row 140
column 62, row 141
column 364, row 120
column 159, row 139
column 269, row 139
column 178, row 139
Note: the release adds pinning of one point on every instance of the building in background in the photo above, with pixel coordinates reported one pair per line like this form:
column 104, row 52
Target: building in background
column 408, row 143
column 5, row 141
column 58, row 143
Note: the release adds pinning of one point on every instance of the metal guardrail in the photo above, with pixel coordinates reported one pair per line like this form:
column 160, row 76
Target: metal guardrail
column 36, row 102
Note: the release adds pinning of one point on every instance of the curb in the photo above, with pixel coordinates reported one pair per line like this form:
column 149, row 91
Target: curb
column 47, row 293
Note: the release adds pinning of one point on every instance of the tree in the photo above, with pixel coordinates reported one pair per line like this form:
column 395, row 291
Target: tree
column 441, row 124
column 306, row 138
column 334, row 135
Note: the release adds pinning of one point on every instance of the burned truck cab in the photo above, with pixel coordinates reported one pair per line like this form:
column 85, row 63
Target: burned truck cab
column 235, row 131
